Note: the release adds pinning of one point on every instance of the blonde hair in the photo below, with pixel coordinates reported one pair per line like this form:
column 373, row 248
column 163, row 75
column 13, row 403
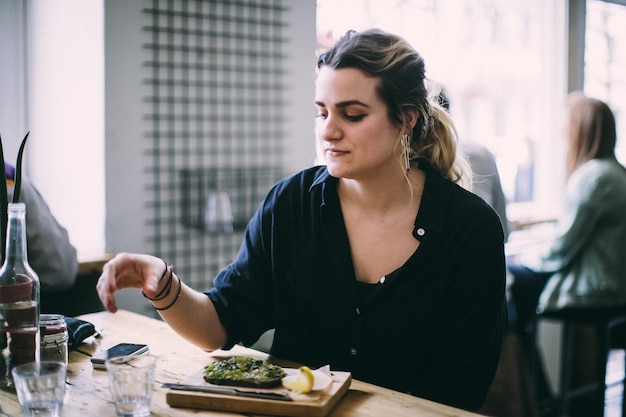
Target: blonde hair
column 400, row 70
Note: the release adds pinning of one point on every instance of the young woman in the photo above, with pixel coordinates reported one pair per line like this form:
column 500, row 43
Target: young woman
column 583, row 266
column 377, row 263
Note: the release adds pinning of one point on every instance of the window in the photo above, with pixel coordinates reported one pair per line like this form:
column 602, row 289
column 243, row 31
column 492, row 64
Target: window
column 52, row 84
column 605, row 61
column 503, row 66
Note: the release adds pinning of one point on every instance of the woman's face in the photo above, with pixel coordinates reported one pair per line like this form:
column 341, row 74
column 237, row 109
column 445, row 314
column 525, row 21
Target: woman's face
column 356, row 137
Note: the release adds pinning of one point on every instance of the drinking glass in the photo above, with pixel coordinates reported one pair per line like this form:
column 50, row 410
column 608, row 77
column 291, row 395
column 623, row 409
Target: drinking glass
column 40, row 388
column 131, row 380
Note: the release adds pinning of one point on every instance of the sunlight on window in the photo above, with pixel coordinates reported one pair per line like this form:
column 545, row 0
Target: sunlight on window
column 502, row 64
column 605, row 62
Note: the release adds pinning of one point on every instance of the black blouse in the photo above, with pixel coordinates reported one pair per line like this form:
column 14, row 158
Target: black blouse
column 433, row 330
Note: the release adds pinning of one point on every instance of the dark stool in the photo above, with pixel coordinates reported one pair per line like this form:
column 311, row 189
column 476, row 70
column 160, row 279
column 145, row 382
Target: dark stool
column 80, row 298
column 605, row 322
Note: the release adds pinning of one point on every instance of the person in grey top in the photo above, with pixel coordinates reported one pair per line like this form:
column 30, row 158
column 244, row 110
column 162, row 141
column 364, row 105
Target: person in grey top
column 50, row 252
column 486, row 180
column 583, row 264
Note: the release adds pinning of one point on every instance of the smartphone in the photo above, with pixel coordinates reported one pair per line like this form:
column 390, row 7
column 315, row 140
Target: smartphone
column 121, row 349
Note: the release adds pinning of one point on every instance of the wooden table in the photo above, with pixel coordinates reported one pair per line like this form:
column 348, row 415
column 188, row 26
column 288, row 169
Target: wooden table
column 88, row 393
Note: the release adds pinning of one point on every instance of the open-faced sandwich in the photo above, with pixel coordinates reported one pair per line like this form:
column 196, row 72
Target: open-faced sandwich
column 244, row 371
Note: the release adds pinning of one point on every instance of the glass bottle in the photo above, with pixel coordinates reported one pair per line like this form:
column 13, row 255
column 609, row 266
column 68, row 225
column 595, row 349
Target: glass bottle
column 19, row 300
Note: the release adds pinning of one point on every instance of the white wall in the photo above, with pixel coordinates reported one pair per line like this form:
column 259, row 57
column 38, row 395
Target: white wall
column 301, row 117
column 124, row 223
column 52, row 79
column 124, row 128
column 58, row 80
column 65, row 101
column 13, row 95
column 124, row 109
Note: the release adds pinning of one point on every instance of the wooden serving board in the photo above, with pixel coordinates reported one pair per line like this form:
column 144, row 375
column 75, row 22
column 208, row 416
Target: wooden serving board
column 315, row 404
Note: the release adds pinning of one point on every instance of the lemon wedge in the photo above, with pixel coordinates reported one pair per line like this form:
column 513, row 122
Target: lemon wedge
column 301, row 382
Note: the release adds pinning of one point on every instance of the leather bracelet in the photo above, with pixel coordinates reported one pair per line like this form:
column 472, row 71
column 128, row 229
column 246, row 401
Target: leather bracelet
column 166, row 290
column 164, row 272
column 180, row 286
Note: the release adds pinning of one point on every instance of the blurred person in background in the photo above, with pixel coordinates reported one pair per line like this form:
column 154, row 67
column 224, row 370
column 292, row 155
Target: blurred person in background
column 486, row 180
column 50, row 252
column 485, row 176
column 583, row 265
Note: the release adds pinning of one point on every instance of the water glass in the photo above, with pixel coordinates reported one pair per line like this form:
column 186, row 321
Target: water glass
column 131, row 380
column 40, row 388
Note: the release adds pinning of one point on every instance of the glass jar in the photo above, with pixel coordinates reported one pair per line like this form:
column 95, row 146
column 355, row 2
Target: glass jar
column 54, row 338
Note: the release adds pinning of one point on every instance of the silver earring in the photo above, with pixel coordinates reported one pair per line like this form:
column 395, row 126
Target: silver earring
column 405, row 151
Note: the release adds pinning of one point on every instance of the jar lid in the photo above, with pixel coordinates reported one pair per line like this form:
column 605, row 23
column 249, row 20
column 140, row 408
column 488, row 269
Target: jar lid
column 53, row 323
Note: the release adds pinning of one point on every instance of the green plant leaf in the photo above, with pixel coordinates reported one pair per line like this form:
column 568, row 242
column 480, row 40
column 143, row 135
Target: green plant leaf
column 4, row 202
column 18, row 171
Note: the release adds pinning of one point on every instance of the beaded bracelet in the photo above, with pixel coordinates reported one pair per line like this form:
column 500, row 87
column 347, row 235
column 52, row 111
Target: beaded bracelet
column 180, row 286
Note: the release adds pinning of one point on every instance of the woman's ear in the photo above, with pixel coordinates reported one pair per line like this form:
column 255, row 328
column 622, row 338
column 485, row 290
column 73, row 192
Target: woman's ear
column 411, row 117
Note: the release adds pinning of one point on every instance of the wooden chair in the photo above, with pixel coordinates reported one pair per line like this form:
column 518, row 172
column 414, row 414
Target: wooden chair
column 609, row 332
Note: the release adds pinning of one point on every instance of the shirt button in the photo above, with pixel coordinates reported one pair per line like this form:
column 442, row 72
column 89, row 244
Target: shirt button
column 358, row 311
column 353, row 351
column 421, row 232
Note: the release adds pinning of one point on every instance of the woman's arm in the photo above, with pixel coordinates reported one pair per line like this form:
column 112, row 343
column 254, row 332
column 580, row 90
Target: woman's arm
column 190, row 313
